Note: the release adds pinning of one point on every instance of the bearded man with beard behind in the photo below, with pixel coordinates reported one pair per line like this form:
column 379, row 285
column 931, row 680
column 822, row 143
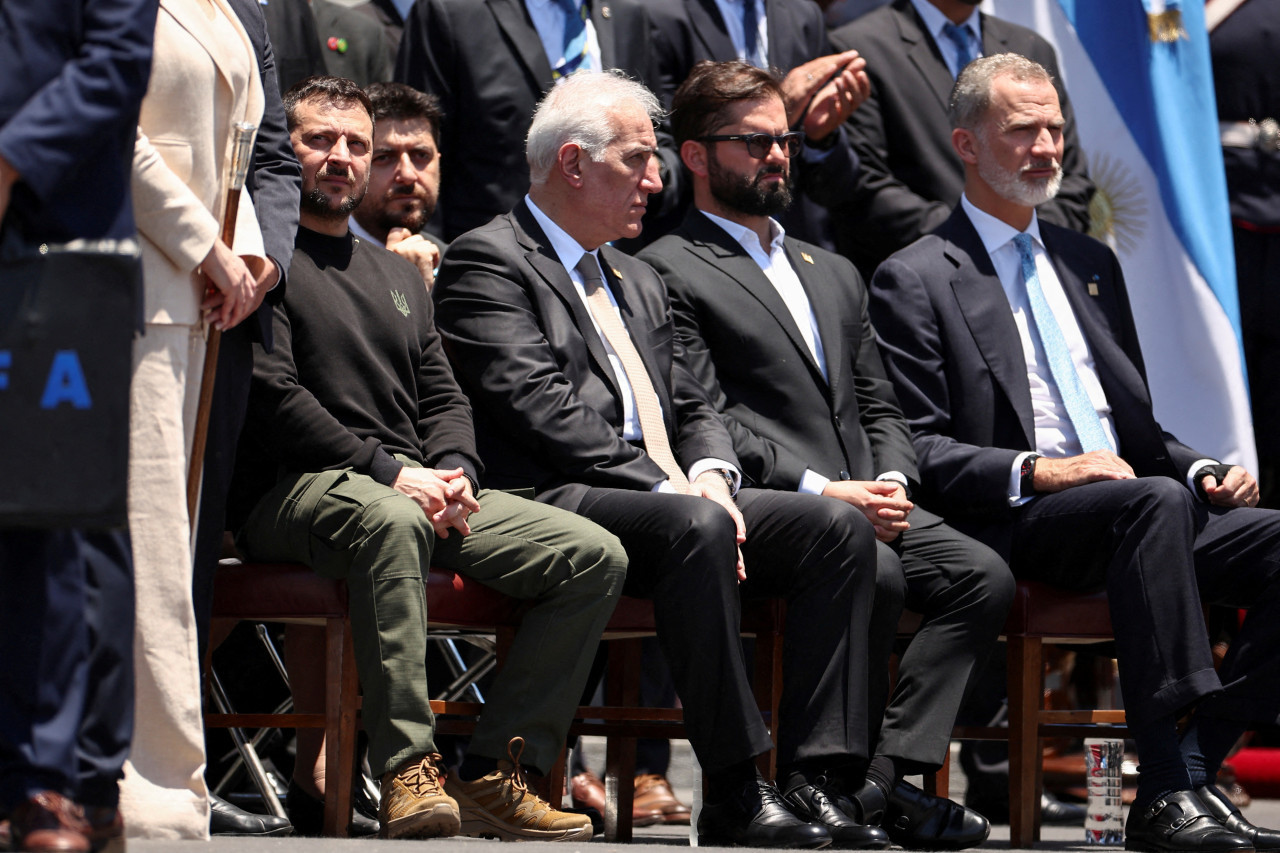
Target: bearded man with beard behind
column 1014, row 354
column 778, row 331
column 404, row 177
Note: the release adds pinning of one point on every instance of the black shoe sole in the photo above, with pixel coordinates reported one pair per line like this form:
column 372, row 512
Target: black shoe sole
column 725, row 841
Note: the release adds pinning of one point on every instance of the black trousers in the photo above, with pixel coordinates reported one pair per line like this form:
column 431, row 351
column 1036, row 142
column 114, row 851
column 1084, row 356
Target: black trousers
column 1159, row 552
column 816, row 553
column 66, row 664
column 963, row 590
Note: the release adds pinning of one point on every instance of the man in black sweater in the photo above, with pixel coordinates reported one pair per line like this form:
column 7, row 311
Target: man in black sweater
column 367, row 450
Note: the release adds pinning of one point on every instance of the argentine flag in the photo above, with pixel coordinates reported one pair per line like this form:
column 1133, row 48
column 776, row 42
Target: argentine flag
column 1139, row 77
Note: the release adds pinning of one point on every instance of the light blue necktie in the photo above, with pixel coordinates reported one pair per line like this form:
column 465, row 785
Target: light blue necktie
column 1083, row 416
column 575, row 38
column 962, row 38
column 751, row 33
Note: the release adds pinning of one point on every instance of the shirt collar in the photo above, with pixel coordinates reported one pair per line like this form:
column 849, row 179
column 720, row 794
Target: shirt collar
column 934, row 20
column 566, row 248
column 995, row 233
column 358, row 230
column 745, row 235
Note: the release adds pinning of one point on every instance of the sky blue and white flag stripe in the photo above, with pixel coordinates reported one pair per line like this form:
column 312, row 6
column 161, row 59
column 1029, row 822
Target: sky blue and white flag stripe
column 1139, row 77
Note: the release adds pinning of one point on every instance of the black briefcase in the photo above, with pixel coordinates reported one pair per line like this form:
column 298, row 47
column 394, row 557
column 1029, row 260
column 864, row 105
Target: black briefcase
column 67, row 322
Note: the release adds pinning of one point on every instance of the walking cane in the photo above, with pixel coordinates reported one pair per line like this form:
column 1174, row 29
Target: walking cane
column 241, row 148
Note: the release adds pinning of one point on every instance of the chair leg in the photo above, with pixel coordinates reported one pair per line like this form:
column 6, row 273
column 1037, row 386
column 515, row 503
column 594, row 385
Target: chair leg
column 1026, row 689
column 622, row 688
column 767, row 686
column 938, row 783
column 555, row 781
column 340, row 704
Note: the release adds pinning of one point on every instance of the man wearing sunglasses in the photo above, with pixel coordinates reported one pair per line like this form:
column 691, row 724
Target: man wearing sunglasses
column 777, row 330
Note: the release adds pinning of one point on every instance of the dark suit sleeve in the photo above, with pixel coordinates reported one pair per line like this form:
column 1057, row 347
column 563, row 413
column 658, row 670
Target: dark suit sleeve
column 500, row 353
column 878, row 410
column 97, row 90
column 918, row 364
column 765, row 462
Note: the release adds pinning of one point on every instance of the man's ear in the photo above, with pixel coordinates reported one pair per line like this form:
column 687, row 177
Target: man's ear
column 965, row 143
column 569, row 163
column 694, row 155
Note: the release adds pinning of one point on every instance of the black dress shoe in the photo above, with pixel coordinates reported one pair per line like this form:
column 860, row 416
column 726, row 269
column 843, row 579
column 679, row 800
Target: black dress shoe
column 1264, row 840
column 226, row 819
column 307, row 814
column 1180, row 823
column 757, row 817
column 1053, row 811
column 815, row 804
column 919, row 821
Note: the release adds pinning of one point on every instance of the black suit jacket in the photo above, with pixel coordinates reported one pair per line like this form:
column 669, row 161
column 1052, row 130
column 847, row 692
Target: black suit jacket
column 485, row 62
column 388, row 17
column 954, row 355
column 295, row 40
column 366, row 59
column 744, row 347
column 548, row 410
column 911, row 178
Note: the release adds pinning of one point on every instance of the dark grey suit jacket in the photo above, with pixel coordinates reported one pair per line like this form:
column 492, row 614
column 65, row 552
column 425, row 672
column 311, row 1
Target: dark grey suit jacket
column 744, row 347
column 953, row 352
column 548, row 410
column 485, row 62
column 367, row 59
column 911, row 178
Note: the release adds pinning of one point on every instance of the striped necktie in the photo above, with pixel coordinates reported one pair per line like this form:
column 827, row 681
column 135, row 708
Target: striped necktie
column 575, row 37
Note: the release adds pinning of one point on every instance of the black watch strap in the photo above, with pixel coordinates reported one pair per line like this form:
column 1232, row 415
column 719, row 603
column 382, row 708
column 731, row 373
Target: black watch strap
column 1027, row 476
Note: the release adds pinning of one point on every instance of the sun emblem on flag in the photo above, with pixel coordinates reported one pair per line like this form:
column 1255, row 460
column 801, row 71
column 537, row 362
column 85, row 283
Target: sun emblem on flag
column 1118, row 211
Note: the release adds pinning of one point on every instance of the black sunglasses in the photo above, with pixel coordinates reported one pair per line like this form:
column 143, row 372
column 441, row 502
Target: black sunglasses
column 760, row 144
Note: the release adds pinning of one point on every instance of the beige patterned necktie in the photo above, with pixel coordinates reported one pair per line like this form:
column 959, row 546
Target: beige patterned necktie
column 648, row 410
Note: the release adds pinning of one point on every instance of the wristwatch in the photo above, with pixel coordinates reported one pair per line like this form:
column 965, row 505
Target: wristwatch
column 1027, row 476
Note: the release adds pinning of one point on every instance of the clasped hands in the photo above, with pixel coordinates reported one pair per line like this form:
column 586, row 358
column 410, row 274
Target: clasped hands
column 445, row 497
column 825, row 91
column 883, row 502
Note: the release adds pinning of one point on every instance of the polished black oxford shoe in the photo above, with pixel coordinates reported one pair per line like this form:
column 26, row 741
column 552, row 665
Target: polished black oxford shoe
column 815, row 804
column 307, row 814
column 1180, row 823
column 919, row 821
column 1220, row 806
column 1053, row 811
column 227, row 819
column 757, row 817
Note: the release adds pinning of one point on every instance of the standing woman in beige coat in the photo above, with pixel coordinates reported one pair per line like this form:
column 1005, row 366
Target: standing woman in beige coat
column 204, row 79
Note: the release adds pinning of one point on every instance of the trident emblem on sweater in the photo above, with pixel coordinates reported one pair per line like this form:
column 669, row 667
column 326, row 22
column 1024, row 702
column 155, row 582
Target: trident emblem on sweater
column 402, row 304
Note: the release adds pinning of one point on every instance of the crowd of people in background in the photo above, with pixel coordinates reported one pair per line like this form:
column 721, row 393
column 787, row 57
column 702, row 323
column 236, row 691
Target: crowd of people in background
column 698, row 301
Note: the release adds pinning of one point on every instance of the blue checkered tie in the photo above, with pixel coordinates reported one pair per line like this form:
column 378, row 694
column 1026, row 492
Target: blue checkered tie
column 1080, row 411
column 962, row 38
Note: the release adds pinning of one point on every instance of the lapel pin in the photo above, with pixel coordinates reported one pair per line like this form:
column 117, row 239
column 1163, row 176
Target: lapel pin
column 1093, row 285
column 337, row 43
column 606, row 12
column 615, row 272
column 808, row 258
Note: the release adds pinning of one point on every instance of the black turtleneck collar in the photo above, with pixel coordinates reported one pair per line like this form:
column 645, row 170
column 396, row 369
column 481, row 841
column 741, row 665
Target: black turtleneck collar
column 324, row 250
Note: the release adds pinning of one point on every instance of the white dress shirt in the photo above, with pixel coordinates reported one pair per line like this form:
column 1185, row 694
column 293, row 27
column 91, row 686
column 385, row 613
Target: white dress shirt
column 934, row 21
column 548, row 20
column 569, row 252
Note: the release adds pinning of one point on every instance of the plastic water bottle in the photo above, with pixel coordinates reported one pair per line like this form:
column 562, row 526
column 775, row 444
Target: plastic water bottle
column 1102, row 760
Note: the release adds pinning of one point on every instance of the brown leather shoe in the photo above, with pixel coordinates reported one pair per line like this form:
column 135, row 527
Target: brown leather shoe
column 588, row 791
column 413, row 802
column 49, row 822
column 655, row 802
column 106, row 829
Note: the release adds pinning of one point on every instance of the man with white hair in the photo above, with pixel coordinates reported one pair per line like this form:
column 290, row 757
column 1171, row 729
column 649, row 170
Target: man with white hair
column 1013, row 350
column 565, row 347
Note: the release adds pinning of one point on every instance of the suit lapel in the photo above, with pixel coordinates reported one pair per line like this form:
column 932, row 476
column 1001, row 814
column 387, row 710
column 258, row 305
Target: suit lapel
column 827, row 313
column 995, row 38
column 514, row 20
column 986, row 311
column 638, row 325
column 245, row 105
column 192, row 19
column 923, row 52
column 606, row 34
column 542, row 257
column 714, row 245
column 710, row 28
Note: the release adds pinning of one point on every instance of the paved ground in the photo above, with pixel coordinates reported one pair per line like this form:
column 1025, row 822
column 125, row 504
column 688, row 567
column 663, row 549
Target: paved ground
column 647, row 839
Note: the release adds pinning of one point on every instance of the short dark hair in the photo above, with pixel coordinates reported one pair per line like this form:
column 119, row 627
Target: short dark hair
column 702, row 103
column 398, row 102
column 971, row 94
column 332, row 91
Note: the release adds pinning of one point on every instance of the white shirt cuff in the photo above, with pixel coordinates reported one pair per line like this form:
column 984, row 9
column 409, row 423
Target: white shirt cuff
column 896, row 476
column 665, row 487
column 711, row 463
column 1015, row 480
column 812, row 483
column 1191, row 472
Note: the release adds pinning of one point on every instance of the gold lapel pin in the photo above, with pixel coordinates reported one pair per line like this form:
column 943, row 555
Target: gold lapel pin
column 808, row 258
column 606, row 12
column 616, row 272
column 1093, row 286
